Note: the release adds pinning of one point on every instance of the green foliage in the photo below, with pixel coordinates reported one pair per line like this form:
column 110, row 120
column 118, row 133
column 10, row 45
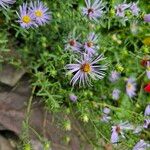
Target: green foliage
column 42, row 51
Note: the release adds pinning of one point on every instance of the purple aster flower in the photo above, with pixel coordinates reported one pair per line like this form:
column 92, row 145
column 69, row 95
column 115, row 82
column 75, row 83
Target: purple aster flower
column 131, row 87
column 141, row 145
column 86, row 69
column 138, row 129
column 73, row 97
column 148, row 73
column 119, row 130
column 106, row 110
column 146, row 123
column 26, row 19
column 105, row 118
column 40, row 12
column 93, row 11
column 116, row 94
column 147, row 18
column 148, row 70
column 90, row 46
column 114, row 76
column 134, row 9
column 120, row 9
column 73, row 44
column 147, row 110
column 6, row 3
column 115, row 135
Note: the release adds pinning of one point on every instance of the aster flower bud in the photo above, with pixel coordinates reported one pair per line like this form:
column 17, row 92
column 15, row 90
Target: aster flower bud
column 114, row 76
column 112, row 12
column 147, row 110
column 47, row 146
column 67, row 139
column 106, row 110
column 116, row 94
column 27, row 147
column 147, row 18
column 85, row 118
column 73, row 97
column 119, row 68
column 67, row 125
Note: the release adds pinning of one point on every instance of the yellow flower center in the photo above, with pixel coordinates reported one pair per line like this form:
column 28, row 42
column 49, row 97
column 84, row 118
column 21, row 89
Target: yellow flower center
column 86, row 68
column 38, row 13
column 129, row 86
column 26, row 19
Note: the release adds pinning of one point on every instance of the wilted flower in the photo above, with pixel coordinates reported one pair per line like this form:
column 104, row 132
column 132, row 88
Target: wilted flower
column 134, row 9
column 120, row 9
column 26, row 18
column 90, row 46
column 93, row 11
column 114, row 76
column 147, row 88
column 116, row 94
column 146, row 123
column 147, row 110
column 73, row 97
column 141, row 145
column 86, row 68
column 6, row 3
column 147, row 18
column 131, row 87
column 119, row 130
column 40, row 12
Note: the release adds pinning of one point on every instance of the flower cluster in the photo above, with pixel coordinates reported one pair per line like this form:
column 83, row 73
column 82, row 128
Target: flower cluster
column 122, row 8
column 106, row 115
column 130, row 82
column 89, row 46
column 117, row 107
column 86, row 67
column 33, row 15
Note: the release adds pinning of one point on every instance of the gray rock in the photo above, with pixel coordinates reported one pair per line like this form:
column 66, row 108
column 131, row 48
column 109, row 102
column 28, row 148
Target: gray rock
column 10, row 75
